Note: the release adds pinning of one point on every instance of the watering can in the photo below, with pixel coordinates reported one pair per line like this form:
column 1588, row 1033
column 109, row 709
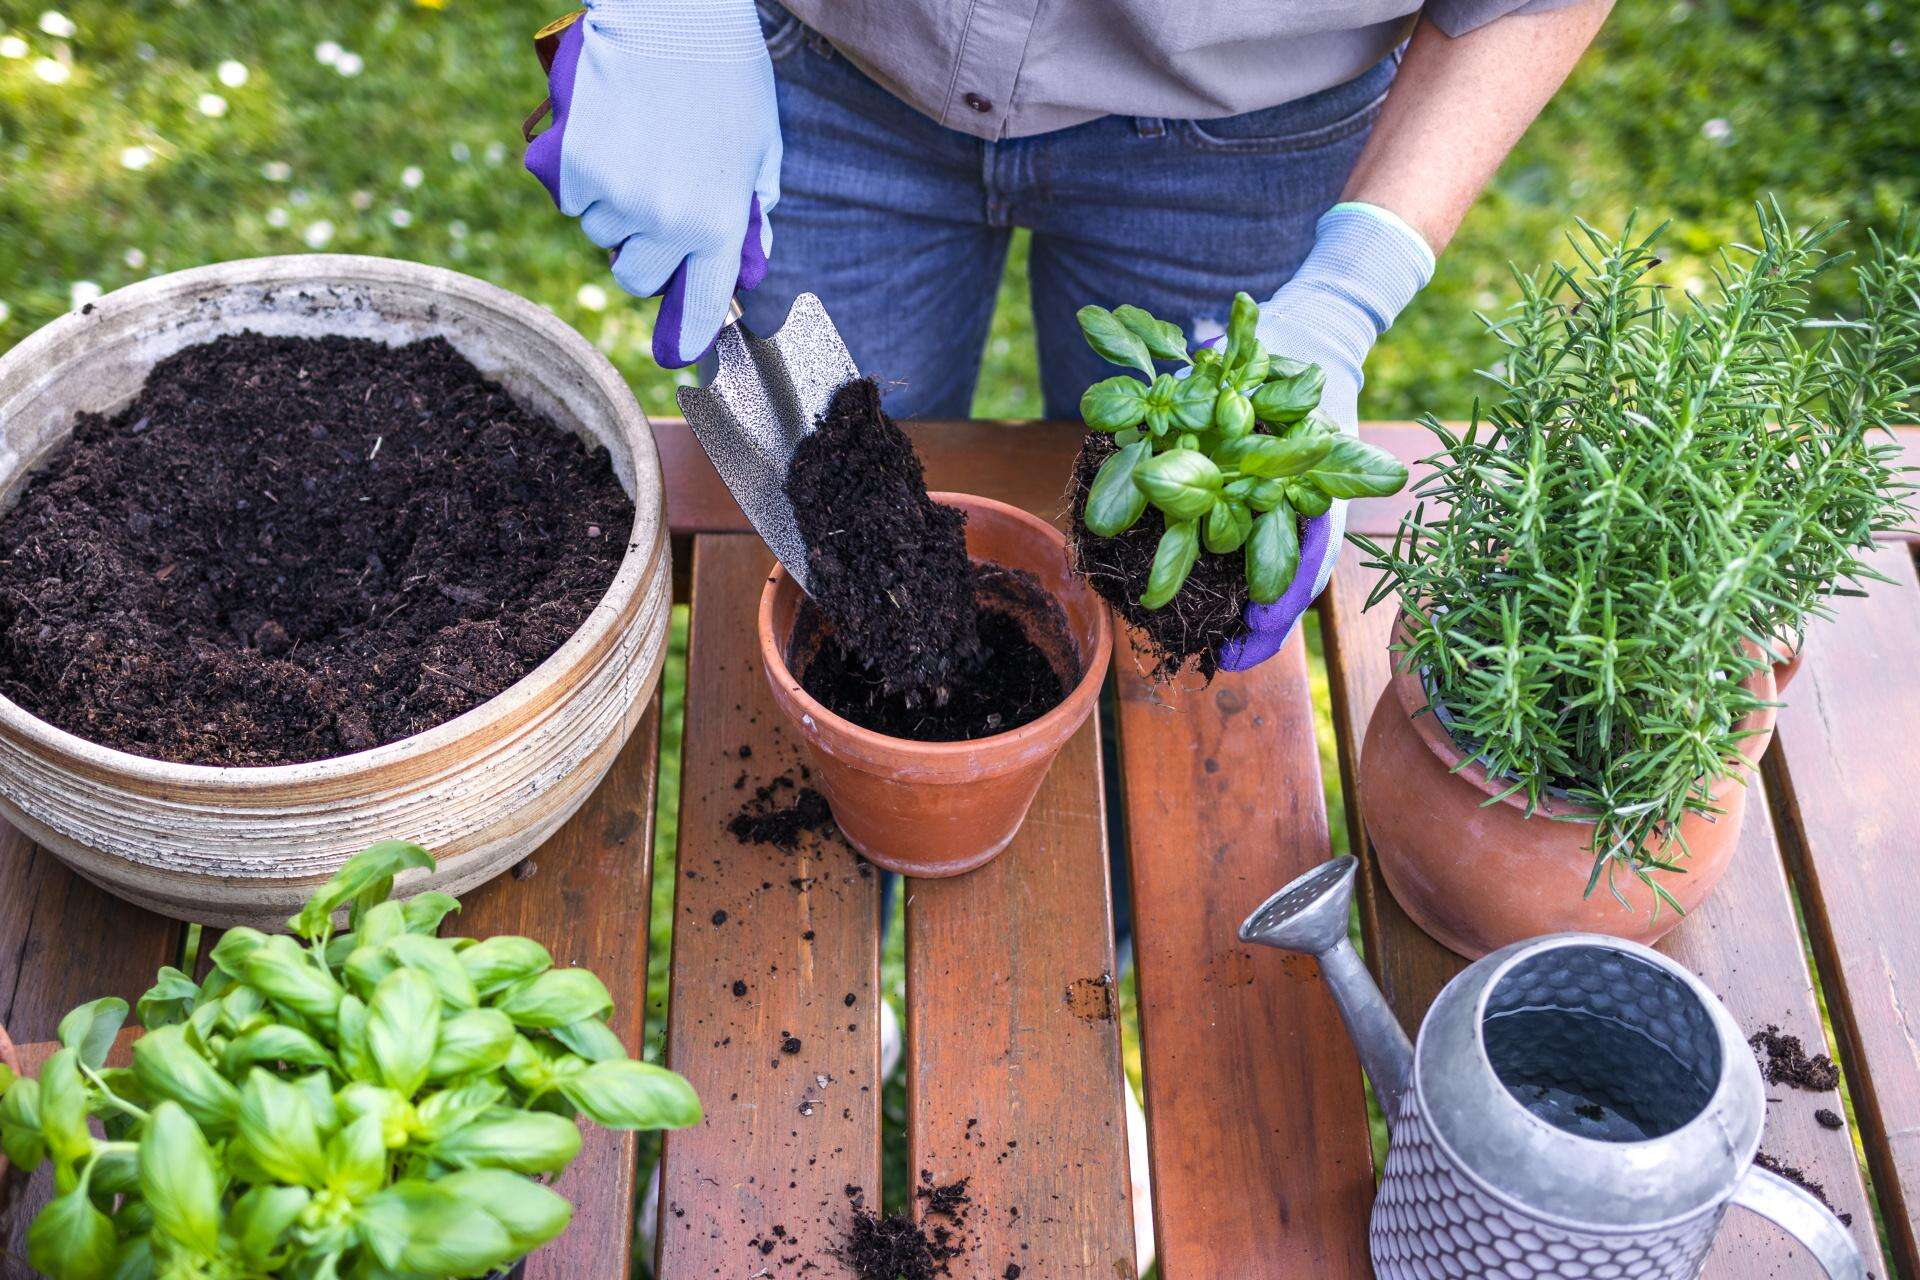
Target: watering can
column 1577, row 1105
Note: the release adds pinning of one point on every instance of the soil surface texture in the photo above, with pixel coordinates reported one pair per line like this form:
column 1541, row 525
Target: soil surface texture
column 1209, row 609
column 888, row 565
column 779, row 813
column 1009, row 684
column 1798, row 1177
column 1784, row 1060
column 895, row 1247
column 289, row 549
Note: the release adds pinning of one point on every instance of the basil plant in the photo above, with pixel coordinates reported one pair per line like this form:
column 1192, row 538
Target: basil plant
column 376, row 1104
column 1233, row 454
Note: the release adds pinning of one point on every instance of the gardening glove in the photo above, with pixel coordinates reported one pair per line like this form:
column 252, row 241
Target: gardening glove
column 1365, row 266
column 665, row 143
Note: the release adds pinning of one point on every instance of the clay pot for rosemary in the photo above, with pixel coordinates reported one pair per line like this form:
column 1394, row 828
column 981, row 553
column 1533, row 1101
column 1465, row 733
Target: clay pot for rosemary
column 943, row 808
column 1478, row 876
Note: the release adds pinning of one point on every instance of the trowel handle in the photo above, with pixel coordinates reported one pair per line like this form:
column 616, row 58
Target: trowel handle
column 1801, row 1215
column 734, row 314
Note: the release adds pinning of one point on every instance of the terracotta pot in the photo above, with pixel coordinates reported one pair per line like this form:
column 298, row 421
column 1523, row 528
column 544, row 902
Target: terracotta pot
column 1788, row 667
column 944, row 808
column 1476, row 876
column 231, row 846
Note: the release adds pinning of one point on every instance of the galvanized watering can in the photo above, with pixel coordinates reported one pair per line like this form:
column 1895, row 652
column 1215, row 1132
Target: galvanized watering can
column 1577, row 1106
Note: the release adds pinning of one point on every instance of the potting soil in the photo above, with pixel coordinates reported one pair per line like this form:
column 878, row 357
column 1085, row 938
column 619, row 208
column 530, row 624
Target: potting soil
column 287, row 549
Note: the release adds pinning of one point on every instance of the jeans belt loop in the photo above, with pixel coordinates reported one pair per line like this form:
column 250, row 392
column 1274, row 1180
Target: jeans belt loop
column 1150, row 126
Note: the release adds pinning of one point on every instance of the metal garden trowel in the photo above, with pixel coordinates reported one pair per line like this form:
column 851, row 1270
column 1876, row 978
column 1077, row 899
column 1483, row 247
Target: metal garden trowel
column 766, row 395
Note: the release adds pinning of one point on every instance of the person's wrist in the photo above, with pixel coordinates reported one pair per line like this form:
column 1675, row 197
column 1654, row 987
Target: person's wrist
column 1366, row 265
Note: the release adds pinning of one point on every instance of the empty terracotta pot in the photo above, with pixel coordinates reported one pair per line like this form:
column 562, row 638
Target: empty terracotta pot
column 1477, row 876
column 944, row 808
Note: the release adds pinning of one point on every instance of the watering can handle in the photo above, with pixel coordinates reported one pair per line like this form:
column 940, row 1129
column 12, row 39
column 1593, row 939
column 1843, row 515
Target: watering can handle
column 1801, row 1215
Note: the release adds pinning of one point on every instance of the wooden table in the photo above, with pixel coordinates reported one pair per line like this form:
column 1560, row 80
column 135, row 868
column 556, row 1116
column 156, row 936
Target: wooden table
column 1259, row 1138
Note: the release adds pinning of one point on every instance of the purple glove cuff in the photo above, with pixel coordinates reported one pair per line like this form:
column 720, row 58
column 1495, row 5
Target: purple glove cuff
column 1269, row 625
column 543, row 153
column 673, row 297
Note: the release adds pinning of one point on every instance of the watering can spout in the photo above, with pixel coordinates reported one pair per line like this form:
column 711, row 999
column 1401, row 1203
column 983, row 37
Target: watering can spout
column 1310, row 916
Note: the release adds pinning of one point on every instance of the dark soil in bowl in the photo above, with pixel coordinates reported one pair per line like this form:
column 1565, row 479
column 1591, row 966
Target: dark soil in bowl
column 886, row 564
column 1209, row 609
column 287, row 549
column 1026, row 665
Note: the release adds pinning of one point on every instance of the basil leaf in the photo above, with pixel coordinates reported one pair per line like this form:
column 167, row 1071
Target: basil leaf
column 1242, row 346
column 1114, row 404
column 471, row 1041
column 425, row 911
column 1132, row 435
column 355, row 1164
column 1181, row 482
column 1252, row 373
column 168, row 1067
column 531, row 1213
column 379, row 924
column 261, row 1218
column 592, row 1039
column 71, row 1239
column 115, row 1172
column 633, row 1095
column 277, row 1130
column 524, row 1141
column 1305, row 497
column 1275, row 457
column 286, row 973
column 1193, row 398
column 230, row 954
column 495, row 964
column 365, row 879
column 1173, row 559
column 63, row 1108
column 365, row 966
column 436, row 958
column 169, row 1000
column 440, row 1114
column 530, row 1065
column 351, row 1036
column 1290, row 397
column 240, row 1011
column 1162, row 337
column 1267, row 494
column 1114, row 342
column 274, row 1042
column 403, row 1024
column 1114, row 501
column 1273, row 555
column 20, row 1134
column 555, row 998
column 1353, row 468
column 178, row 1180
column 1225, row 528
column 396, row 1116
column 1232, row 415
column 429, row 1229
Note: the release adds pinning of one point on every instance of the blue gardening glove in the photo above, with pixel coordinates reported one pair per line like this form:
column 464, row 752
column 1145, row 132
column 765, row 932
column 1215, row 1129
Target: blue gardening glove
column 1365, row 266
column 665, row 143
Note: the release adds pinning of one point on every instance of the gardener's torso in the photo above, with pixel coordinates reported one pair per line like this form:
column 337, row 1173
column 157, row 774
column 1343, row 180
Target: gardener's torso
column 1009, row 68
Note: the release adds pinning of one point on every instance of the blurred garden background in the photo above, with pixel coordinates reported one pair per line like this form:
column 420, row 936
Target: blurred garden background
column 146, row 136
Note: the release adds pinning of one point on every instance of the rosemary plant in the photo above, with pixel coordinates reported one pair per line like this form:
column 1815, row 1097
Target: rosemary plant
column 1660, row 492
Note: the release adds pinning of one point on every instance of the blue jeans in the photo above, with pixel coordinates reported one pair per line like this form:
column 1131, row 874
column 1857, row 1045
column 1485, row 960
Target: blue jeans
column 901, row 226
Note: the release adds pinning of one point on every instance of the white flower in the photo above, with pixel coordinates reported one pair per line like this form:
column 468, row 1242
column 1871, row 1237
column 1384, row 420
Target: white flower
column 233, row 73
column 1874, row 11
column 361, row 200
column 592, row 297
column 12, row 47
column 5, row 311
column 400, row 218
column 134, row 259
column 412, row 176
column 327, row 52
column 52, row 72
column 1716, row 130
column 277, row 217
column 58, row 25
column 1693, row 284
column 496, row 152
column 83, row 292
column 136, row 157
column 299, row 198
column 276, row 171
column 1898, row 48
column 318, row 234
column 460, row 152
column 457, row 229
column 350, row 64
column 212, row 104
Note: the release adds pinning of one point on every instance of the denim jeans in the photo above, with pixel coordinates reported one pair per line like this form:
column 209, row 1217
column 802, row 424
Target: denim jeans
column 901, row 226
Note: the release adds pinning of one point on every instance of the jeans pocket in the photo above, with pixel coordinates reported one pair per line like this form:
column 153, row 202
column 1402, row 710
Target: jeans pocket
column 1317, row 120
column 783, row 31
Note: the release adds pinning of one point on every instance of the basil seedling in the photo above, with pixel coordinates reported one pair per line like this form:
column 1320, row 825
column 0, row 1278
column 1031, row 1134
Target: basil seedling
column 372, row 1103
column 1233, row 455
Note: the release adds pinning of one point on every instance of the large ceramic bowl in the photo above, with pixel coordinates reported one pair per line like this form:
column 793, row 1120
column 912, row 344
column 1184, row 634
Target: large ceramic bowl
column 247, row 845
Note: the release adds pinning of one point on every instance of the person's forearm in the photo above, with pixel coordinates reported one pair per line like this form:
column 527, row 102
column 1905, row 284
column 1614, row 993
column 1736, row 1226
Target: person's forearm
column 1458, row 106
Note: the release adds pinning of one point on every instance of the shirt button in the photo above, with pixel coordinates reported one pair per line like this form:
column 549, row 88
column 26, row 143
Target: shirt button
column 979, row 103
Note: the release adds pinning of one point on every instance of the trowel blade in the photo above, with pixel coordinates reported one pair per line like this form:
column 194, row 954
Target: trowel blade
column 767, row 394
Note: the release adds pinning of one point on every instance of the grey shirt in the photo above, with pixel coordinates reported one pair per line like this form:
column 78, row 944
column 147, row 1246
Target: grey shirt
column 1008, row 68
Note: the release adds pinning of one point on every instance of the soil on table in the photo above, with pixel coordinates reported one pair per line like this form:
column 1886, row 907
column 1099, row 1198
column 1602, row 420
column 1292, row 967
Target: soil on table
column 895, row 1246
column 779, row 813
column 1209, row 610
column 287, row 549
column 1799, row 1178
column 1784, row 1060
column 887, row 564
column 1015, row 679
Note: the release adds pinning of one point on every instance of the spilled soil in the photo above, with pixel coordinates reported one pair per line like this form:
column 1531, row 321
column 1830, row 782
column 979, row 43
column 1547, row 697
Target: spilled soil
column 779, row 813
column 1784, row 1060
column 288, row 549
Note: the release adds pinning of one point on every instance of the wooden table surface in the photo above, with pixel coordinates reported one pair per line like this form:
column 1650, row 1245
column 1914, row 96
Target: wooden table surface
column 1256, row 1113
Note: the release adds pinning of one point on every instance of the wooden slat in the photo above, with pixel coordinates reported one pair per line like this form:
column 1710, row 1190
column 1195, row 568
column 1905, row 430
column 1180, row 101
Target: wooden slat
column 1844, row 760
column 1744, row 942
column 1013, row 1047
column 784, row 1133
column 1250, row 1081
column 586, row 896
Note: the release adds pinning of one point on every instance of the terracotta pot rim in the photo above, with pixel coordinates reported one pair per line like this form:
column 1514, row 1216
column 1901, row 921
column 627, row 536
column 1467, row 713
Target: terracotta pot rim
column 1411, row 693
column 1044, row 733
